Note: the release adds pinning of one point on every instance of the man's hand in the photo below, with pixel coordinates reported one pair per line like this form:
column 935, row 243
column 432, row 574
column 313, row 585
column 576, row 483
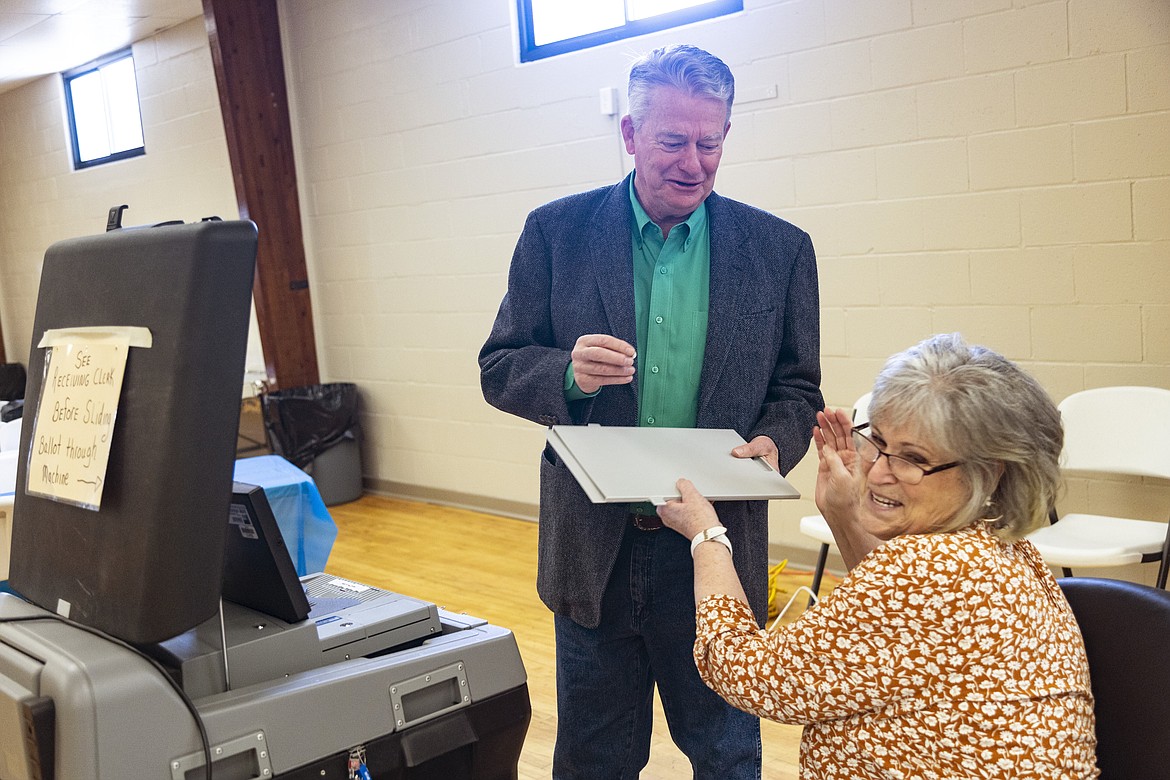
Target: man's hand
column 760, row 447
column 600, row 360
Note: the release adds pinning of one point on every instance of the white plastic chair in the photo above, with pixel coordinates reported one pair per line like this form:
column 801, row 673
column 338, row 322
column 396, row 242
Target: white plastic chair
column 1111, row 430
column 815, row 525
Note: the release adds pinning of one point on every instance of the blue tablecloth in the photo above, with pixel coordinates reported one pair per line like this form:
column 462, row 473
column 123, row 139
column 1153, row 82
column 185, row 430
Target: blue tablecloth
column 304, row 521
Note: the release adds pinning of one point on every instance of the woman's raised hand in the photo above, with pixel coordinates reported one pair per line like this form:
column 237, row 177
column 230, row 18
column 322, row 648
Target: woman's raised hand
column 839, row 478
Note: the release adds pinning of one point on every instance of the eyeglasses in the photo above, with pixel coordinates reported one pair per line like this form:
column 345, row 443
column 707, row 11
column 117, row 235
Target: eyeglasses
column 905, row 470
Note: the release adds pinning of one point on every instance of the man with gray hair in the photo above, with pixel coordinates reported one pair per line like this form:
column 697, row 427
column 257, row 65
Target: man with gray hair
column 654, row 302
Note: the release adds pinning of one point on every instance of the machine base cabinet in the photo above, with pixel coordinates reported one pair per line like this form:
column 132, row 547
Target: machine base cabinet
column 482, row 742
column 77, row 705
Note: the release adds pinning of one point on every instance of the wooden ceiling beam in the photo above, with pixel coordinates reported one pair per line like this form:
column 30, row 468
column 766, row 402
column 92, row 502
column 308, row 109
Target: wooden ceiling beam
column 249, row 71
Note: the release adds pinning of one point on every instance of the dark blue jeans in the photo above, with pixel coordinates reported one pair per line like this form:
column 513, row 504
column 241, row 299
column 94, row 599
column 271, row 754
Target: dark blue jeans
column 606, row 676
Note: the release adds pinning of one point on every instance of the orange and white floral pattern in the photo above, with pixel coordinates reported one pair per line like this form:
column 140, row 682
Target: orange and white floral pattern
column 939, row 656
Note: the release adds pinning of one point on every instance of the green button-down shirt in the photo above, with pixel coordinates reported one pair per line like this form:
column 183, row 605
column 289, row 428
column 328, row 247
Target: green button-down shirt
column 671, row 295
column 671, row 292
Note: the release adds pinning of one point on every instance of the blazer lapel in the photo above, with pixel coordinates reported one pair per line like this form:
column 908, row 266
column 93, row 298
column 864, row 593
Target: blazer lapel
column 729, row 272
column 611, row 257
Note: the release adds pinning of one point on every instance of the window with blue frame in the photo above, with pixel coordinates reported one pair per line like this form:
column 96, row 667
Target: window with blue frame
column 105, row 123
column 551, row 27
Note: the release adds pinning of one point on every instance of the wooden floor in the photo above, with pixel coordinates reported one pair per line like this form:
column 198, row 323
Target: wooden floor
column 486, row 566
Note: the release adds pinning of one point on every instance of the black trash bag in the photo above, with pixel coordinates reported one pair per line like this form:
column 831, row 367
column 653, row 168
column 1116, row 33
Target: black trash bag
column 12, row 381
column 303, row 422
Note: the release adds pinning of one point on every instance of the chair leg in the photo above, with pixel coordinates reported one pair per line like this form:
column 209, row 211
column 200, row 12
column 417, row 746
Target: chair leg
column 1052, row 519
column 822, row 558
column 1164, row 566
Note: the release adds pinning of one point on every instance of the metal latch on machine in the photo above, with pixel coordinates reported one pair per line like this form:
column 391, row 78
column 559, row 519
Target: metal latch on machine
column 248, row 753
column 429, row 695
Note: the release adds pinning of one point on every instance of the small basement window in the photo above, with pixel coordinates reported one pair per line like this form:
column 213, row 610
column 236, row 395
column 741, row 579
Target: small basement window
column 551, row 27
column 105, row 123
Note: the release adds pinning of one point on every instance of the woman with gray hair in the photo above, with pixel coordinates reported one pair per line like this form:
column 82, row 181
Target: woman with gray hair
column 949, row 650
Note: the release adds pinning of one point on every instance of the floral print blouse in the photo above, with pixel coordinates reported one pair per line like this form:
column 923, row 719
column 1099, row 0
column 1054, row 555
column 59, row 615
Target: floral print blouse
column 939, row 656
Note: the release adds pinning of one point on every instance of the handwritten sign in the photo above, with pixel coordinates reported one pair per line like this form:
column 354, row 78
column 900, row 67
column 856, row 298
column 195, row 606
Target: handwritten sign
column 74, row 424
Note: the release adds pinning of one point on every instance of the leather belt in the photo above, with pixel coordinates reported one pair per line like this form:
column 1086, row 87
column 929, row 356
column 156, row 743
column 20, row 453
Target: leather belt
column 645, row 522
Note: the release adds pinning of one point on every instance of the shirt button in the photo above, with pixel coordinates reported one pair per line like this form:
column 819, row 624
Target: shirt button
column 654, row 370
column 662, row 270
column 649, row 420
column 658, row 320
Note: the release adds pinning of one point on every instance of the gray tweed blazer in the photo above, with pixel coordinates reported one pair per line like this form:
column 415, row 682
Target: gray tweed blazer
column 572, row 274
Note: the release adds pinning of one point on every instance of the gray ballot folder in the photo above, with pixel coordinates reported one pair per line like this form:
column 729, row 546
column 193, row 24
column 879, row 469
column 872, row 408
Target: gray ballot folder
column 627, row 464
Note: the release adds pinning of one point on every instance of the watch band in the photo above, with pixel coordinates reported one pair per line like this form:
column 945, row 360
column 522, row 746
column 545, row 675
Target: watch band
column 713, row 534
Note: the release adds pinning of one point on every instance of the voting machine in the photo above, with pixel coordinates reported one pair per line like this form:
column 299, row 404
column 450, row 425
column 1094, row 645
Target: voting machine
column 160, row 630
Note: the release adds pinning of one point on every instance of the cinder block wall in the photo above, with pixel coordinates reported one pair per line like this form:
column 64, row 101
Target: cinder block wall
column 997, row 167
column 185, row 173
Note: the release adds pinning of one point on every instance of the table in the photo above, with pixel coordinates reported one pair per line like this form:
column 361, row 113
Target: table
column 308, row 530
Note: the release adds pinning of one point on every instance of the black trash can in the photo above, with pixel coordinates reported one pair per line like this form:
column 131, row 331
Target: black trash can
column 316, row 428
column 12, row 381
